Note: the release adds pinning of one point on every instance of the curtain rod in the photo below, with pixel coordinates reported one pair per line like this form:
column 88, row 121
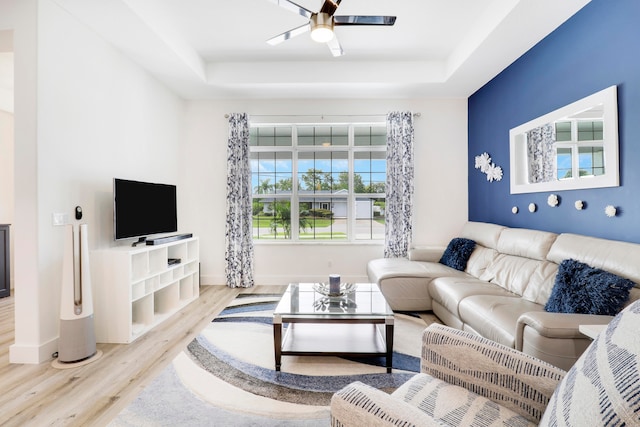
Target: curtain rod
column 226, row 116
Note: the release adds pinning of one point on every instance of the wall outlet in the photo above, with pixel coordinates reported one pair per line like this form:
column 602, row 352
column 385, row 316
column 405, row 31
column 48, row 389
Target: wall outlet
column 58, row 218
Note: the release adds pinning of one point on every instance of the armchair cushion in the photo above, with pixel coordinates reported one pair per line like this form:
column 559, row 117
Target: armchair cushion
column 422, row 401
column 580, row 288
column 457, row 253
column 512, row 379
column 456, row 406
column 359, row 404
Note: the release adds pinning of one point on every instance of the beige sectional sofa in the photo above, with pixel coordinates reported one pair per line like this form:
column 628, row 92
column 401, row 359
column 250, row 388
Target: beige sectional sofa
column 507, row 281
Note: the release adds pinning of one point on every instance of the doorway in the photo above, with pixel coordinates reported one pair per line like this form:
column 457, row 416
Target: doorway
column 7, row 139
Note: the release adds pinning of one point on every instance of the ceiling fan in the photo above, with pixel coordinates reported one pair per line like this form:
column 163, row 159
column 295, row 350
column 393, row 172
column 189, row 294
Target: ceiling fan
column 321, row 23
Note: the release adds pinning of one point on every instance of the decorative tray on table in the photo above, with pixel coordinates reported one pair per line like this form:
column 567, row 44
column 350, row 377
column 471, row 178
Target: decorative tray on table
column 345, row 288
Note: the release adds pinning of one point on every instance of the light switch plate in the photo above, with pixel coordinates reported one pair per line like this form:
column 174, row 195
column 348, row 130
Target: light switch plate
column 58, row 218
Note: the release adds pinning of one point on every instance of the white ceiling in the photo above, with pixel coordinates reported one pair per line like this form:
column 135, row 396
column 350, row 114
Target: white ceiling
column 205, row 49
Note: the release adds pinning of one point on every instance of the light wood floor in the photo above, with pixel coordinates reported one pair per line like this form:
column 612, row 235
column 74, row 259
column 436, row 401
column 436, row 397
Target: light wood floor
column 93, row 394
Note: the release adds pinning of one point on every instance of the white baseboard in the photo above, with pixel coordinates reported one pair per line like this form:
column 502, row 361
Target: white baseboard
column 33, row 354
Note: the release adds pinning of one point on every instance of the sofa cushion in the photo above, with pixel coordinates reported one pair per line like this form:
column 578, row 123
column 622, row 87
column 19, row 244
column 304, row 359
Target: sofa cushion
column 449, row 291
column 457, row 253
column 514, row 273
column 541, row 283
column 383, row 268
column 479, row 260
column 456, row 406
column 619, row 258
column 602, row 387
column 404, row 283
column 580, row 288
column 526, row 243
column 521, row 257
column 495, row 317
column 483, row 233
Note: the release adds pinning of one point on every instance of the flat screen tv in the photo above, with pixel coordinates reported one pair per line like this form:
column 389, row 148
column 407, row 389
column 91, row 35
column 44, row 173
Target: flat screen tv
column 141, row 209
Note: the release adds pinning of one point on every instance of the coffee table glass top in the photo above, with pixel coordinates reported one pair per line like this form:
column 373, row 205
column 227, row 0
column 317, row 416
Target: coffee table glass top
column 302, row 299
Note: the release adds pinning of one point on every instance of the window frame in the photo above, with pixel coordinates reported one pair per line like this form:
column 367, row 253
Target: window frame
column 294, row 196
column 575, row 143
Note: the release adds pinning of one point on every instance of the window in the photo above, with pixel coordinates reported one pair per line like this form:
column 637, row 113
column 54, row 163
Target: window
column 327, row 179
column 580, row 147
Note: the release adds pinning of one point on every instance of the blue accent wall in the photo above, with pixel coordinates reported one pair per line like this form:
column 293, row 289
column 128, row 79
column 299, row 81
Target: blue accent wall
column 598, row 47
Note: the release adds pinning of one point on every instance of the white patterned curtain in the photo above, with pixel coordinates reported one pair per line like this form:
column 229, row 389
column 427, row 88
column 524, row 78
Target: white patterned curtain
column 399, row 185
column 239, row 242
column 541, row 154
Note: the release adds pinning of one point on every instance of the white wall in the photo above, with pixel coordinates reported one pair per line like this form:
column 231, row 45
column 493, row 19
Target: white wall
column 99, row 116
column 440, row 191
column 20, row 16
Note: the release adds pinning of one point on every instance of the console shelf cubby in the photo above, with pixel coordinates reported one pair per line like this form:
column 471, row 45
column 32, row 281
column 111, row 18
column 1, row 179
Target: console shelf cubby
column 136, row 288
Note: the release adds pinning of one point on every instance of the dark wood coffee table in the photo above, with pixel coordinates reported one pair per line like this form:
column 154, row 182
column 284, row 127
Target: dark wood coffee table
column 358, row 324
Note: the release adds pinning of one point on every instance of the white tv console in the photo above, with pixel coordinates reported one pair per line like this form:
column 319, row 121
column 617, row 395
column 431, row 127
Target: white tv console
column 136, row 288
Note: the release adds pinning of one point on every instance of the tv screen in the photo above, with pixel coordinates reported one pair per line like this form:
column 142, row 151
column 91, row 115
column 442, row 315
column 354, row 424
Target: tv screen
column 143, row 208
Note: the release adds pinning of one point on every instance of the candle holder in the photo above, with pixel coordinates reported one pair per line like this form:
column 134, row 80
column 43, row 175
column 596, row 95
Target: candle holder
column 325, row 289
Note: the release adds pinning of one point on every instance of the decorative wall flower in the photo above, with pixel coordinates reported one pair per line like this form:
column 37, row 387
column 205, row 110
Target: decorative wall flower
column 532, row 207
column 610, row 211
column 553, row 200
column 494, row 173
column 579, row 205
column 483, row 161
column 514, row 210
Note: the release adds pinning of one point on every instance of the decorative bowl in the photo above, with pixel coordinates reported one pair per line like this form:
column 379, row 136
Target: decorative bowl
column 345, row 288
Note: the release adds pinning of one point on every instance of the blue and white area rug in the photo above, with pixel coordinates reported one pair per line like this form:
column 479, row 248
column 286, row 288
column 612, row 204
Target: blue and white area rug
column 226, row 376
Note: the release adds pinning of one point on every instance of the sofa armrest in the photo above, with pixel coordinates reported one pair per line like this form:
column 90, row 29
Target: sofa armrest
column 429, row 254
column 556, row 325
column 517, row 381
column 361, row 405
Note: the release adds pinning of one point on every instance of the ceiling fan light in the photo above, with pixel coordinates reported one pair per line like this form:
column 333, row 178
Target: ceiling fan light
column 321, row 27
column 321, row 34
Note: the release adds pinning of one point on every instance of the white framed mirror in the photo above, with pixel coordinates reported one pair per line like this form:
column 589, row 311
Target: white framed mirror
column 573, row 147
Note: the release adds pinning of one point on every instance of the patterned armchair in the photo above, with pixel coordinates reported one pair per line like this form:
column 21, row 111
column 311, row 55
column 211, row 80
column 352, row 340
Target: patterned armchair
column 467, row 380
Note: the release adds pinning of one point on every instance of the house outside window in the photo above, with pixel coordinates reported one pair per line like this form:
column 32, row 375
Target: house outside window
column 318, row 182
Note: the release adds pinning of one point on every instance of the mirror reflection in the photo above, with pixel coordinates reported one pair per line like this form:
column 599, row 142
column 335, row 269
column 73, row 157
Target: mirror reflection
column 573, row 147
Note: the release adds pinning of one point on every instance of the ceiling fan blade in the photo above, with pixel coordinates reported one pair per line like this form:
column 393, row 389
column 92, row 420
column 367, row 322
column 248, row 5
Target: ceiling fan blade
column 329, row 7
column 364, row 20
column 293, row 7
column 334, row 46
column 288, row 34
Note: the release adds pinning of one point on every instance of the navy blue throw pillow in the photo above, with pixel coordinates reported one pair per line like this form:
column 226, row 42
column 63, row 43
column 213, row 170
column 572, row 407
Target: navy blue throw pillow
column 457, row 253
column 580, row 288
